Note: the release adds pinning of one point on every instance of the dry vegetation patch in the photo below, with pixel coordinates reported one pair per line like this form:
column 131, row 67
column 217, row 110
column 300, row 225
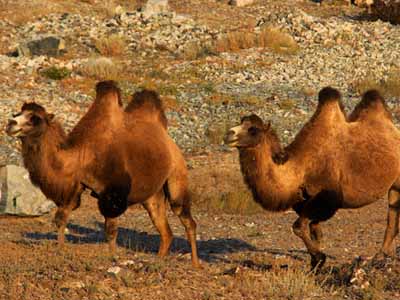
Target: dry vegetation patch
column 389, row 86
column 272, row 38
column 101, row 68
column 113, row 45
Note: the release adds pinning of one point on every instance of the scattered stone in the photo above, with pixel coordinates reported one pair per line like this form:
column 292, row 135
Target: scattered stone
column 73, row 285
column 240, row 3
column 49, row 46
column 127, row 263
column 155, row 7
column 18, row 196
column 114, row 270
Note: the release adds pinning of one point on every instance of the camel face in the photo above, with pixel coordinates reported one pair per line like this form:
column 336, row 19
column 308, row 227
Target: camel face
column 30, row 121
column 248, row 134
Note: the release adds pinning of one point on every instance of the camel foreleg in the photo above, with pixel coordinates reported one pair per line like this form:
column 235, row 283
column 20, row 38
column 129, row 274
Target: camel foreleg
column 111, row 232
column 300, row 228
column 316, row 233
column 62, row 214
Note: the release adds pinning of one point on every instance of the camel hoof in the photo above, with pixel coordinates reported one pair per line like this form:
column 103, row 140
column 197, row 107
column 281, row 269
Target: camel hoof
column 197, row 265
column 317, row 261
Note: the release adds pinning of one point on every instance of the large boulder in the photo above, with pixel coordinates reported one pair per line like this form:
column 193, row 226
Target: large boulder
column 18, row 196
column 46, row 45
column 387, row 10
column 155, row 7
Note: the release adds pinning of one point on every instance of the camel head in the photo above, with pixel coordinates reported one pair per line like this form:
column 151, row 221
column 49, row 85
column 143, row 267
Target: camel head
column 32, row 120
column 248, row 134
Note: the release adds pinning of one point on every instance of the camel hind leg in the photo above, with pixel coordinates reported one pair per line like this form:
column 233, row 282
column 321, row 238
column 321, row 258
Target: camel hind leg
column 392, row 228
column 179, row 199
column 156, row 207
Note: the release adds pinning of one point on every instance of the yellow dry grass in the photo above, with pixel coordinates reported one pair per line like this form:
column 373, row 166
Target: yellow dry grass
column 113, row 45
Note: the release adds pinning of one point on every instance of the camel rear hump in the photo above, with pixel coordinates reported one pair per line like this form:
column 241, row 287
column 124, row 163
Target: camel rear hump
column 147, row 104
column 372, row 105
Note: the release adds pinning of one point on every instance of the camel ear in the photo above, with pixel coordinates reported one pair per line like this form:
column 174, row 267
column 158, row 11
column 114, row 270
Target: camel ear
column 268, row 126
column 49, row 117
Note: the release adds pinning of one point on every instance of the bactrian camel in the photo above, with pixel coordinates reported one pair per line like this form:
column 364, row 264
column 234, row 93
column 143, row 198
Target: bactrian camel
column 332, row 163
column 123, row 157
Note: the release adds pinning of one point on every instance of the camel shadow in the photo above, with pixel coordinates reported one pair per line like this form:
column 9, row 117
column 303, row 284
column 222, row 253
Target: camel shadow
column 209, row 250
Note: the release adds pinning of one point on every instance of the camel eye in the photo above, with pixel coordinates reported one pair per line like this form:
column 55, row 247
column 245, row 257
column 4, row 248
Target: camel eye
column 253, row 130
column 35, row 120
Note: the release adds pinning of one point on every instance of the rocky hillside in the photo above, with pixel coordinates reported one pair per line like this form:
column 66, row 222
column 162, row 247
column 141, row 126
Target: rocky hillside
column 270, row 58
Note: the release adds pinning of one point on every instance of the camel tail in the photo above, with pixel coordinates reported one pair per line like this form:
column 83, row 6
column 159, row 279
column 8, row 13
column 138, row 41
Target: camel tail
column 147, row 102
column 104, row 88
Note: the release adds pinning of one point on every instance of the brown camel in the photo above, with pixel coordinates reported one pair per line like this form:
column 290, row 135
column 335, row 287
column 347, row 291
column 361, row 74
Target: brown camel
column 332, row 163
column 123, row 157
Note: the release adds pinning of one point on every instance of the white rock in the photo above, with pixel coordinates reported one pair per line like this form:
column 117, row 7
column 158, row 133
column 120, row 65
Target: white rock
column 155, row 7
column 240, row 3
column 114, row 270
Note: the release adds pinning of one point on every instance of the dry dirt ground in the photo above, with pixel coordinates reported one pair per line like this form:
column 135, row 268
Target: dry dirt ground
column 249, row 254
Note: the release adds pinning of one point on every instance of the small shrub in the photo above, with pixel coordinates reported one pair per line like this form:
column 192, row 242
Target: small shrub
column 194, row 50
column 389, row 87
column 113, row 45
column 215, row 133
column 278, row 41
column 101, row 68
column 295, row 284
column 56, row 73
column 235, row 41
column 208, row 87
column 236, row 202
column 362, row 85
column 392, row 83
column 287, row 104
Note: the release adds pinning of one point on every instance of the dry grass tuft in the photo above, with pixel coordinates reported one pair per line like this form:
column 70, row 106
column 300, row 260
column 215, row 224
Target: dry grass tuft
column 295, row 284
column 101, row 68
column 389, row 87
column 273, row 38
column 113, row 45
column 278, row 41
column 235, row 202
column 235, row 41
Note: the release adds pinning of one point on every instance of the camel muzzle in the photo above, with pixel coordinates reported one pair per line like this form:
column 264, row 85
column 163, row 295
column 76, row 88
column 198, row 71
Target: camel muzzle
column 230, row 139
column 11, row 129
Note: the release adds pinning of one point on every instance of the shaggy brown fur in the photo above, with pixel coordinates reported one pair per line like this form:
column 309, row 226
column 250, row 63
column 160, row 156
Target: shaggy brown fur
column 331, row 164
column 123, row 157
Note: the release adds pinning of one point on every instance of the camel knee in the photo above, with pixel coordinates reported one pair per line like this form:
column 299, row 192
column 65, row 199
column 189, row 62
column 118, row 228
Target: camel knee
column 60, row 218
column 298, row 228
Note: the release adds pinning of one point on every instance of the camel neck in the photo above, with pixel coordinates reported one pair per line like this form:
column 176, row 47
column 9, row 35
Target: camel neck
column 273, row 186
column 41, row 153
